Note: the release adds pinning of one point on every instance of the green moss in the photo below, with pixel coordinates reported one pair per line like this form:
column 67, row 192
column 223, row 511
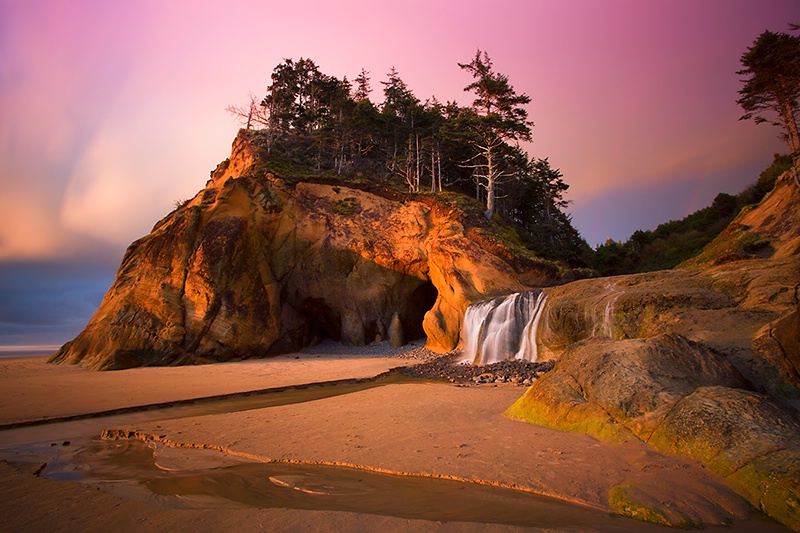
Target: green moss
column 346, row 207
column 629, row 500
column 503, row 238
column 568, row 413
column 733, row 244
column 679, row 440
column 647, row 321
column 772, row 483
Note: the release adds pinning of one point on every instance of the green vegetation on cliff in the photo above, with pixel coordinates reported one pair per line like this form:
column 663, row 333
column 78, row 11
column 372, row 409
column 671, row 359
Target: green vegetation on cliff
column 311, row 126
column 676, row 241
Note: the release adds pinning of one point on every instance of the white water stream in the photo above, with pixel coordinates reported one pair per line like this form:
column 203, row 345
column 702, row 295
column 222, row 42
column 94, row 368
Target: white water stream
column 503, row 328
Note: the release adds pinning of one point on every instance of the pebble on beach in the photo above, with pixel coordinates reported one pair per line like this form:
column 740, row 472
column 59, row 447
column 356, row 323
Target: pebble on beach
column 445, row 367
column 441, row 367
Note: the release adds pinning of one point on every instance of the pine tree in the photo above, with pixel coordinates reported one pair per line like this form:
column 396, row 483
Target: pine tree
column 497, row 118
column 362, row 86
column 772, row 65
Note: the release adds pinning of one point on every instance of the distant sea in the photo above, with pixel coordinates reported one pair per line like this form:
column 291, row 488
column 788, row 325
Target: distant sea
column 7, row 352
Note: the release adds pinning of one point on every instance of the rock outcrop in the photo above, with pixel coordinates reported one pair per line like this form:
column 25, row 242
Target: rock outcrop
column 683, row 399
column 702, row 361
column 770, row 229
column 623, row 389
column 254, row 266
column 746, row 310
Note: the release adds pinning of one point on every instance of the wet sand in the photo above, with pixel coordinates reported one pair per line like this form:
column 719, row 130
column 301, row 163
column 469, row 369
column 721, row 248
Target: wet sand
column 438, row 430
column 31, row 389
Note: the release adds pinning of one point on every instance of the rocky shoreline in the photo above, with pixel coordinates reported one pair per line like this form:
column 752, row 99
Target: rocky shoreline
column 440, row 367
column 447, row 368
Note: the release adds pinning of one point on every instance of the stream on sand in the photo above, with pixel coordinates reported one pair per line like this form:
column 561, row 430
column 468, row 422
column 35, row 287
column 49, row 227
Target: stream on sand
column 191, row 478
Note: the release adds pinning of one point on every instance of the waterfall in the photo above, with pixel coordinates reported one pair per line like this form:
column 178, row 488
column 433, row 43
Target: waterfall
column 603, row 322
column 503, row 328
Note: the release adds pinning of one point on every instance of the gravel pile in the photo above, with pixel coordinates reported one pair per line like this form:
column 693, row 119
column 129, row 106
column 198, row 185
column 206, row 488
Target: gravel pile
column 442, row 367
column 418, row 353
column 447, row 368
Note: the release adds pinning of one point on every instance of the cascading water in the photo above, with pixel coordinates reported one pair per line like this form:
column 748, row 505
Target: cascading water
column 503, row 328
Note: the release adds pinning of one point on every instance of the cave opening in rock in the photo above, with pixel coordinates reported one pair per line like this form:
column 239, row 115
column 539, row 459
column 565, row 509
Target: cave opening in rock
column 364, row 321
column 422, row 300
column 323, row 322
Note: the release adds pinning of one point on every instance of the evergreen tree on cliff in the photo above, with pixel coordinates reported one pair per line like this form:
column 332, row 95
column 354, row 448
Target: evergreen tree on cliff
column 496, row 117
column 772, row 65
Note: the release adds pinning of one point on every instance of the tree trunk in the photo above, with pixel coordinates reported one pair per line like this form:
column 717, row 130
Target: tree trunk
column 439, row 167
column 787, row 113
column 433, row 170
column 418, row 174
column 490, row 179
column 791, row 127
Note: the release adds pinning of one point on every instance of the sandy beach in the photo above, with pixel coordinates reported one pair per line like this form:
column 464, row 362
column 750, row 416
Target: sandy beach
column 418, row 429
column 34, row 390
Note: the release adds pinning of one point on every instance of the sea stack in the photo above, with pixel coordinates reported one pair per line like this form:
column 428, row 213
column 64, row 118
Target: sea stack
column 258, row 264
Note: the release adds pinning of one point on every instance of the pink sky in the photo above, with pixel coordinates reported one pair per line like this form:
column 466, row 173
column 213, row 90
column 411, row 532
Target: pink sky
column 110, row 114
column 112, row 111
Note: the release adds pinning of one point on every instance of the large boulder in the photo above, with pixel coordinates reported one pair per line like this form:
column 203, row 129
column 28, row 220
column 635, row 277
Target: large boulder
column 254, row 266
column 702, row 361
column 745, row 310
column 682, row 398
column 622, row 389
column 779, row 343
column 745, row 437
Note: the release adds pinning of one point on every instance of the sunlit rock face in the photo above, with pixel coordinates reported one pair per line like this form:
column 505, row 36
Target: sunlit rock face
column 737, row 308
column 252, row 266
column 700, row 361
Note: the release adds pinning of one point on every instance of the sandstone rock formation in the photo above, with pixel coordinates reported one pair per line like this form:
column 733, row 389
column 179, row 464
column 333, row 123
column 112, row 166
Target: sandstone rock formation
column 254, row 266
column 624, row 389
column 682, row 398
column 742, row 309
column 702, row 361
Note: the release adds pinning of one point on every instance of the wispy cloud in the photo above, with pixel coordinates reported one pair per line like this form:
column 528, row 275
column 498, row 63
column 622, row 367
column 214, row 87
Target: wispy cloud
column 111, row 111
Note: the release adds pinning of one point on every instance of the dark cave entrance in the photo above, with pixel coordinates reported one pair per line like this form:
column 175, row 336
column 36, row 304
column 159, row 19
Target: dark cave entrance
column 323, row 320
column 421, row 301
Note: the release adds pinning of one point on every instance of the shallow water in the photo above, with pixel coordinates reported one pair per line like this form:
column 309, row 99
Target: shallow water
column 94, row 423
column 150, row 471
column 170, row 477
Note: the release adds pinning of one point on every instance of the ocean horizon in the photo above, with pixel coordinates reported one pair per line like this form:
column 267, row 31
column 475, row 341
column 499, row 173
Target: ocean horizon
column 31, row 350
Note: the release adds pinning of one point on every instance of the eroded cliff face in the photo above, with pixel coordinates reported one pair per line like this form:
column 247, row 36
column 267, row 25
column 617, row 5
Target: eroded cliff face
column 252, row 267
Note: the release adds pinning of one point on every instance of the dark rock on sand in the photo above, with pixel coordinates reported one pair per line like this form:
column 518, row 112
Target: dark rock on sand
column 446, row 368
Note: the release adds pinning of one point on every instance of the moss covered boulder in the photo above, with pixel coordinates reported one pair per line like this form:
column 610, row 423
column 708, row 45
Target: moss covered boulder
column 622, row 389
column 745, row 437
column 682, row 398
